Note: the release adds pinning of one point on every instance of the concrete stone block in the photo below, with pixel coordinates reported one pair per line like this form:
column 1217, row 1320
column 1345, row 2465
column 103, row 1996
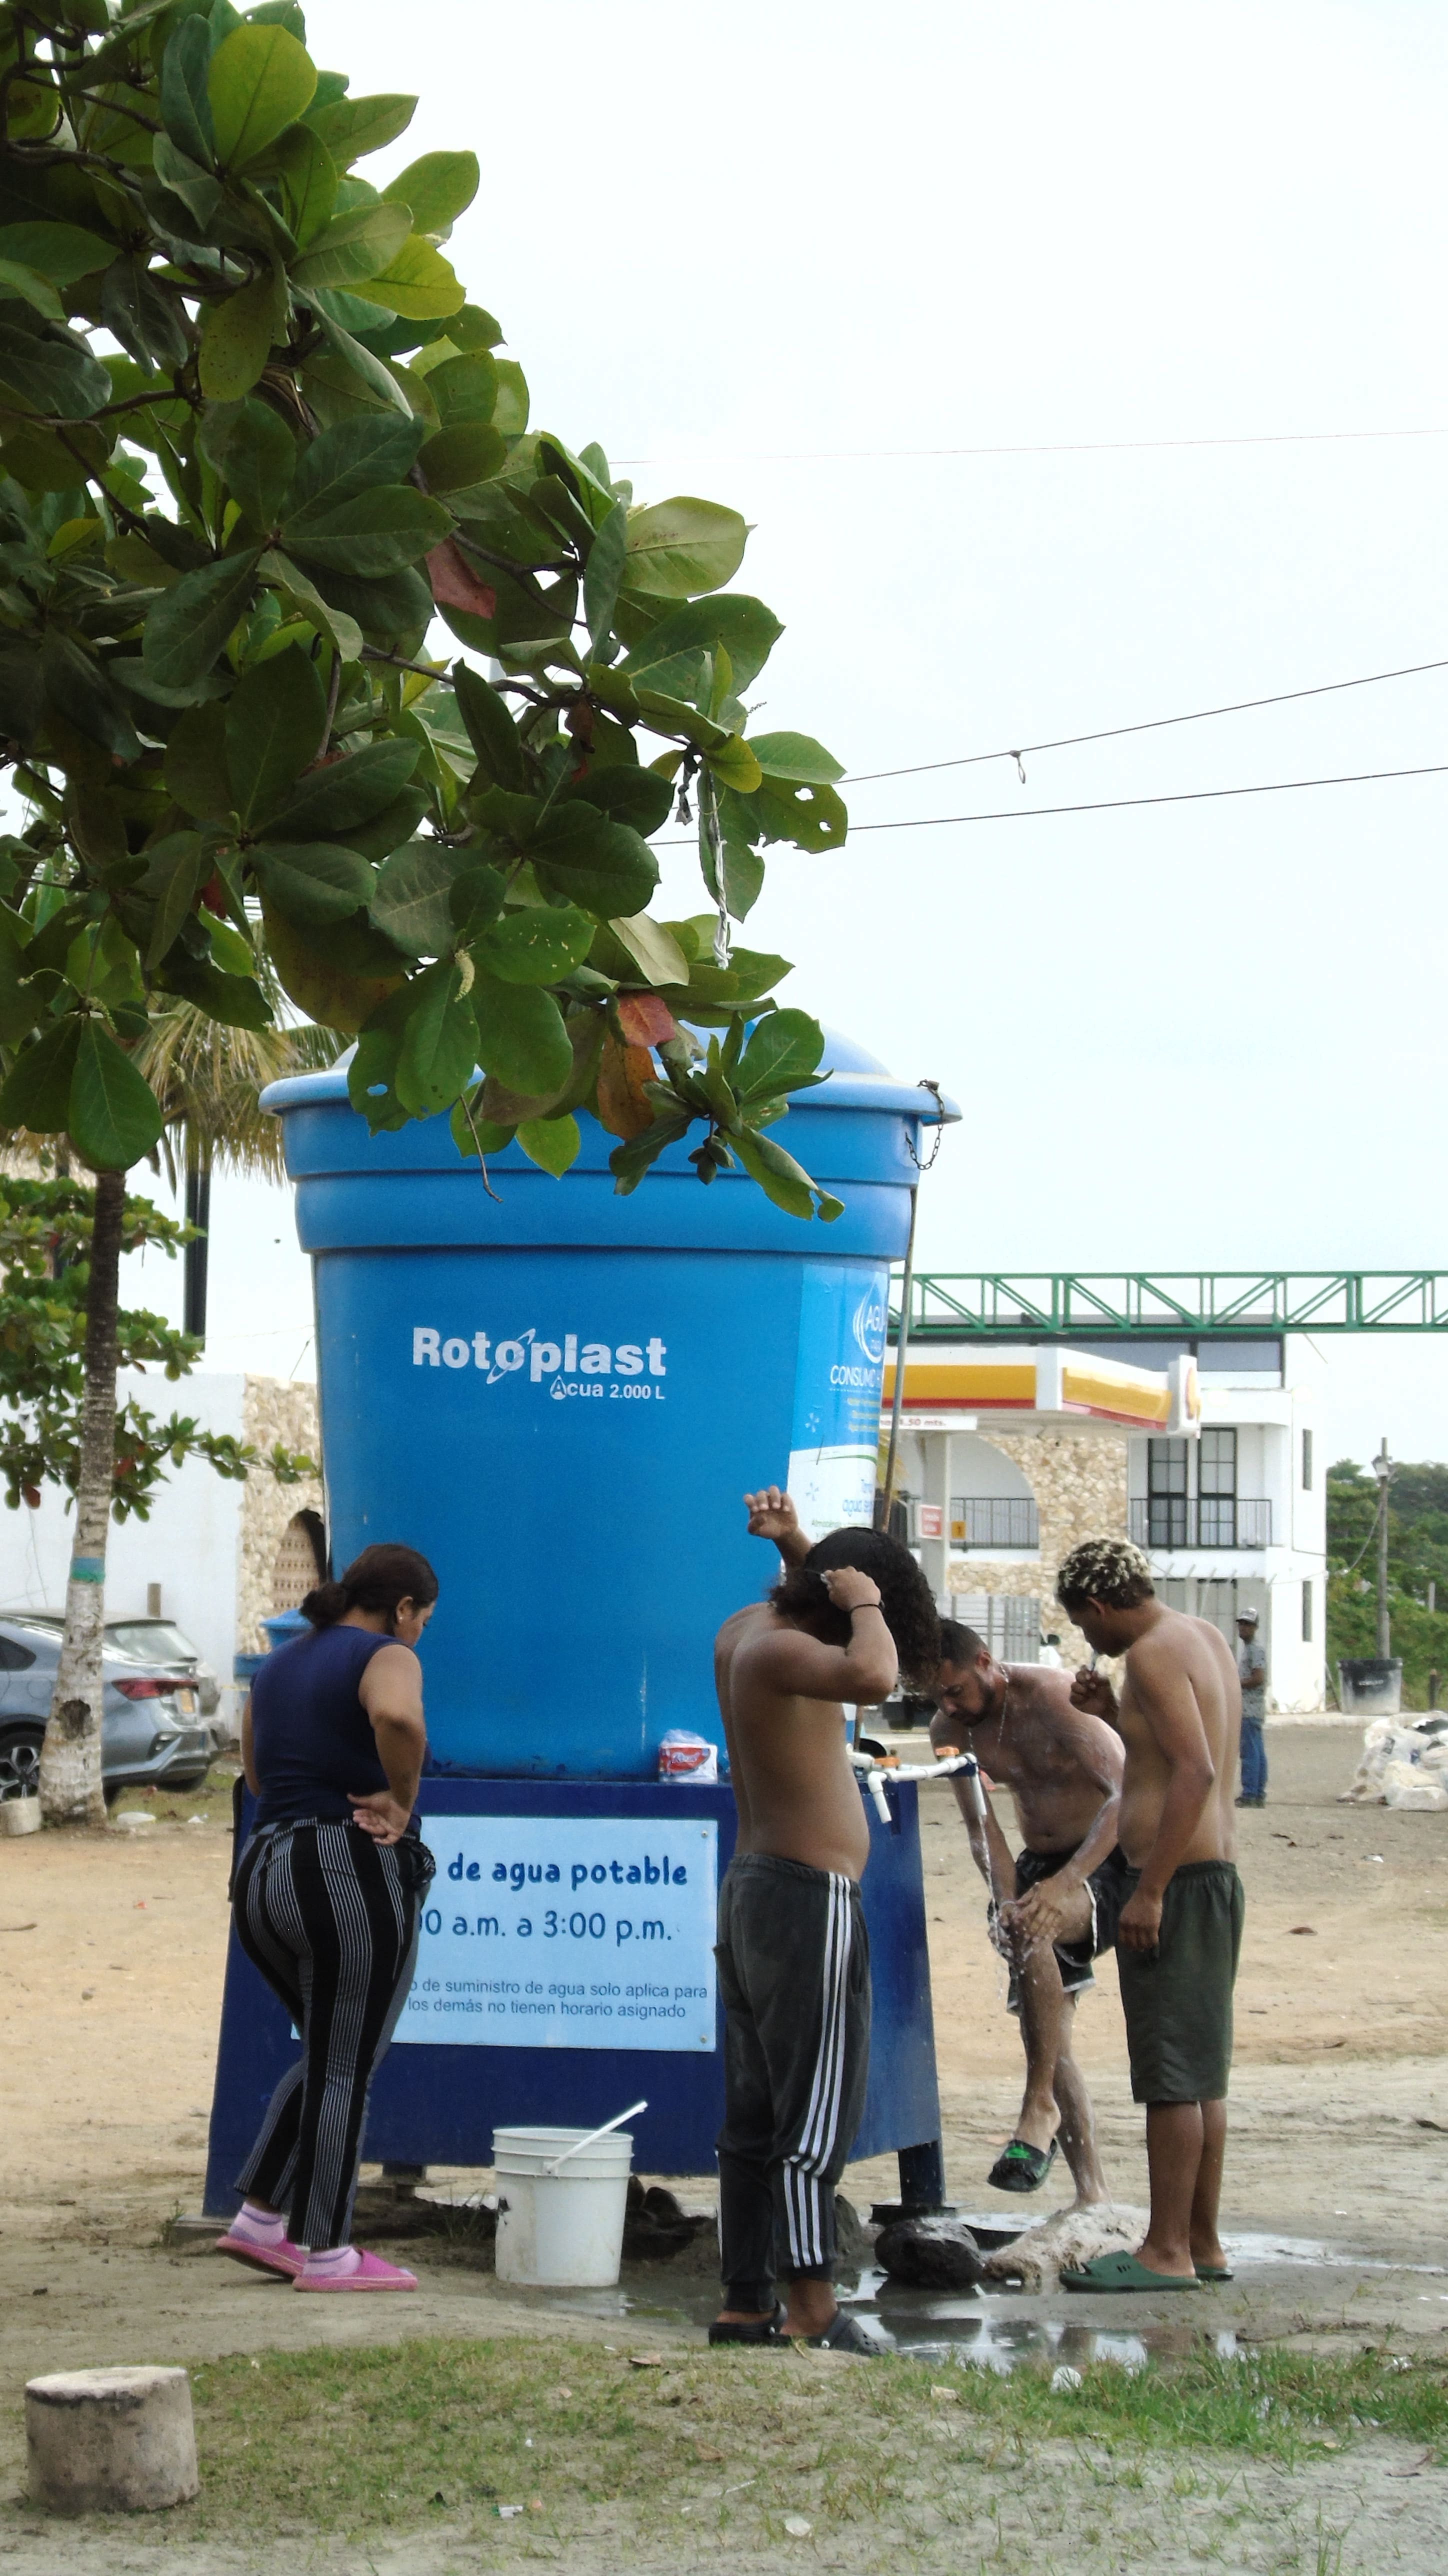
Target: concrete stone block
column 111, row 2441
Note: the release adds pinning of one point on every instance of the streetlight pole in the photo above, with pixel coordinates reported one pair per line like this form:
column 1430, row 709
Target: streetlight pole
column 1382, row 1469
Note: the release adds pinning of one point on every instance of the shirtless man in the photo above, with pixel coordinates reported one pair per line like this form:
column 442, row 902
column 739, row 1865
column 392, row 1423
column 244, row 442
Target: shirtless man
column 1180, row 1931
column 794, row 1964
column 1055, row 1905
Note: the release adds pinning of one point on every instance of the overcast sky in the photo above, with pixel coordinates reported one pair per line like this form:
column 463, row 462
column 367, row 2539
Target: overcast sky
column 791, row 256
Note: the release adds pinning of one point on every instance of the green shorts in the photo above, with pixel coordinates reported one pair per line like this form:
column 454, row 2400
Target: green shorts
column 1177, row 1998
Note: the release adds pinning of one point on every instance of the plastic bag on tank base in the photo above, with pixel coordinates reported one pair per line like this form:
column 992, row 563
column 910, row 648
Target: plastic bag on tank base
column 683, row 1756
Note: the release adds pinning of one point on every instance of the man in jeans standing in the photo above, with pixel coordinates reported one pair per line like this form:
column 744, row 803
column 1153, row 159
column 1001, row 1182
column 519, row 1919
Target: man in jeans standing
column 1252, row 1674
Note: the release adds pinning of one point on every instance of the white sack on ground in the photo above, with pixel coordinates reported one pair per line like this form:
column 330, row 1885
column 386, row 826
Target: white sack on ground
column 1401, row 1766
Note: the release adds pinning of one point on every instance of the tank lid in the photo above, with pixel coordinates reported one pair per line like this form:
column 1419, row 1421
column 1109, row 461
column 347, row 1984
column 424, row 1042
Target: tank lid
column 857, row 1080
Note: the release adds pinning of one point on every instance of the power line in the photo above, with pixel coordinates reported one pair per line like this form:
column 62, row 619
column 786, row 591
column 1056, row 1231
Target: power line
column 1114, row 804
column 1153, row 724
column 1117, row 804
column 1062, row 447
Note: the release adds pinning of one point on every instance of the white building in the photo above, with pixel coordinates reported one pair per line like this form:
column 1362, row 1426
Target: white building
column 216, row 1555
column 1207, row 1455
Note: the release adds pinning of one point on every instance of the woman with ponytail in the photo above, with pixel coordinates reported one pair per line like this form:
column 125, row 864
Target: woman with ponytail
column 327, row 1901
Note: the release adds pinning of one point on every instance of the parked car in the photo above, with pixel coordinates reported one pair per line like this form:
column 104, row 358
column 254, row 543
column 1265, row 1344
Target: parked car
column 152, row 1730
column 160, row 1641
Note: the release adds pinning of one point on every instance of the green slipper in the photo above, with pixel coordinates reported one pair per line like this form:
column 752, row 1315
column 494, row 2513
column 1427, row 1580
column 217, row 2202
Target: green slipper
column 1214, row 2272
column 1022, row 2167
column 1111, row 2272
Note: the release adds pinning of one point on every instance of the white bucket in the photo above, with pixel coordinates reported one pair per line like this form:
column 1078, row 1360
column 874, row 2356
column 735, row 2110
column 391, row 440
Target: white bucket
column 563, row 2230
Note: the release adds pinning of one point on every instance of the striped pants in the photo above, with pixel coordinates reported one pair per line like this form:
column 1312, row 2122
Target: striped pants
column 330, row 1917
column 794, row 1972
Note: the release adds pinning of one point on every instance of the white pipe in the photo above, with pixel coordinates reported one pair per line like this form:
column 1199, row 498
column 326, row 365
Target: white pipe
column 594, row 2135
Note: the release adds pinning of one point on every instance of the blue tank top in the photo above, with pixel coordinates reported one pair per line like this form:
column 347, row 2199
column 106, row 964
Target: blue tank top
column 311, row 1737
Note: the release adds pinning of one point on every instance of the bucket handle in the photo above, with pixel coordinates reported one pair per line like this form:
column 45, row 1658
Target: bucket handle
column 594, row 2135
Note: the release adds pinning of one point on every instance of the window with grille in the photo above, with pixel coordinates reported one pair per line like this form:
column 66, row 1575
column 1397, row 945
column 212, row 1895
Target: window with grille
column 1009, row 1624
column 1307, row 1462
column 1217, row 1489
column 299, row 1563
column 1166, row 1493
column 1307, row 1614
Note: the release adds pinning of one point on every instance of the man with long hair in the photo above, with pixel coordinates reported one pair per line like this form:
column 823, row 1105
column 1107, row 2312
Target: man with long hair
column 1179, row 1933
column 794, row 1970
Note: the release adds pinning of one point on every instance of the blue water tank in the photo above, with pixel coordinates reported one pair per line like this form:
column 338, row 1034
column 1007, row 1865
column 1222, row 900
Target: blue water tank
column 560, row 1396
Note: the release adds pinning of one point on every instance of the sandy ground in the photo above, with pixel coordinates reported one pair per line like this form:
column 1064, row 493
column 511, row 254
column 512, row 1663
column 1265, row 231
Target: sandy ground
column 111, row 1953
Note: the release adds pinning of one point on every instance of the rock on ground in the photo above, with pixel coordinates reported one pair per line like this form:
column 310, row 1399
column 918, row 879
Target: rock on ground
column 1063, row 2243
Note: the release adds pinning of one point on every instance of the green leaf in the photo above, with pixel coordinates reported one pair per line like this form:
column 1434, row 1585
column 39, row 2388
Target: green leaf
column 354, row 457
column 235, row 1000
column 176, row 870
column 474, row 1134
column 312, row 882
column 376, row 532
column 292, row 586
column 491, row 730
column 194, row 768
column 628, row 1163
column 734, row 765
column 60, row 252
column 350, row 791
column 747, row 630
column 51, row 372
column 353, row 371
column 603, row 866
column 521, row 1037
column 260, row 81
column 553, row 1144
column 464, row 389
column 604, row 573
column 417, row 283
column 784, row 1182
column 795, row 756
column 437, row 1057
column 81, row 690
column 626, row 795
column 114, row 1115
column 436, row 189
column 412, row 899
column 354, row 246
column 322, row 979
column 274, row 728
column 781, row 1055
column 475, row 900
column 185, row 107
column 813, row 817
column 308, row 176
column 390, row 829
column 352, row 127
column 36, row 1091
column 470, row 452
column 510, row 411
column 678, row 547
column 652, row 949
column 539, row 945
column 187, row 627
column 237, row 337
column 254, row 453
column 36, row 291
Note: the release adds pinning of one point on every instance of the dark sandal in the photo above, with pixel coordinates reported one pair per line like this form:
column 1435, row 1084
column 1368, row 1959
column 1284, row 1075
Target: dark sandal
column 1022, row 2167
column 765, row 2330
column 844, row 2333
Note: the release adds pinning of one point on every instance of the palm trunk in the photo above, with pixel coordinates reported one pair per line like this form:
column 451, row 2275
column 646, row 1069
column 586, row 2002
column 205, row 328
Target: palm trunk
column 70, row 1764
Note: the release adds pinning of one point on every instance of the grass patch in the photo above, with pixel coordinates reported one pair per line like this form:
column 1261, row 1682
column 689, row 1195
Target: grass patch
column 396, row 2436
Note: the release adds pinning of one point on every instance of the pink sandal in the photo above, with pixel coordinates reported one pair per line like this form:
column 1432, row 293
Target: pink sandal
column 370, row 2273
column 280, row 2256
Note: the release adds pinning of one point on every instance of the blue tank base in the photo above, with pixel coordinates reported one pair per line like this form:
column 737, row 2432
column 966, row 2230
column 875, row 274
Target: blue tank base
column 439, row 2103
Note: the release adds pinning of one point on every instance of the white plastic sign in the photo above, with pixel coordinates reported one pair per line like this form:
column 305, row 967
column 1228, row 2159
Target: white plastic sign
column 553, row 1932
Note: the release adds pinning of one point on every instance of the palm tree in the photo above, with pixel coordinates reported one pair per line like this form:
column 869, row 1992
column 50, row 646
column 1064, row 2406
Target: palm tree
column 208, row 1080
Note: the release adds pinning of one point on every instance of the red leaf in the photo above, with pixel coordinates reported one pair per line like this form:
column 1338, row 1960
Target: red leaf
column 456, row 585
column 645, row 1020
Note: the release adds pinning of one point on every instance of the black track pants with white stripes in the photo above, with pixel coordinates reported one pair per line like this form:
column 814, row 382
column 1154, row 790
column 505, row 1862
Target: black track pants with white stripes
column 330, row 1917
column 794, row 1972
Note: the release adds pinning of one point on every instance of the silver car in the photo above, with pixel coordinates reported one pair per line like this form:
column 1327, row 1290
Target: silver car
column 152, row 1729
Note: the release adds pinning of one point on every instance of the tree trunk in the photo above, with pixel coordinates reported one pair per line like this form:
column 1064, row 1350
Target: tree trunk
column 70, row 1763
column 194, row 1254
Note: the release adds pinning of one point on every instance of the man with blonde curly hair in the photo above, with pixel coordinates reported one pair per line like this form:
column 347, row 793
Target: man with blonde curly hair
column 1179, row 1933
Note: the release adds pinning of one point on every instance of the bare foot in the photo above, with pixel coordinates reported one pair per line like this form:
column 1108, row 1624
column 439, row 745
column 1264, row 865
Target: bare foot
column 1170, row 2266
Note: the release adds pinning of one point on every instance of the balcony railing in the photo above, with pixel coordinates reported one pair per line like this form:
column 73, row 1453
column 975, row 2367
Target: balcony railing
column 1006, row 1520
column 1202, row 1521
